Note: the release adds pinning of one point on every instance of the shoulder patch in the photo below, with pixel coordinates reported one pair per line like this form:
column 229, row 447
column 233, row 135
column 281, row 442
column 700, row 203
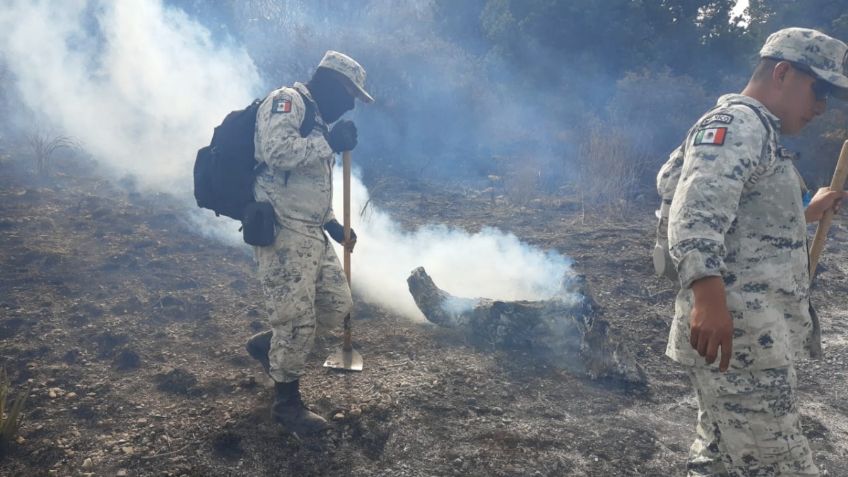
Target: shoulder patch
column 710, row 136
column 723, row 118
column 282, row 103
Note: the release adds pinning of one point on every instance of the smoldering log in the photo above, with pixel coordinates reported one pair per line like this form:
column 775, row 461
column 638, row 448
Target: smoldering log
column 566, row 332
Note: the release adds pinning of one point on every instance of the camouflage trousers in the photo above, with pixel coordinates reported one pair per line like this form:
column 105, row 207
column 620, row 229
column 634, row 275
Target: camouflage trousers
column 748, row 425
column 306, row 291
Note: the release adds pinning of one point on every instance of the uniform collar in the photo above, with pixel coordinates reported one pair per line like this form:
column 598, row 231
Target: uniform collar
column 303, row 90
column 741, row 98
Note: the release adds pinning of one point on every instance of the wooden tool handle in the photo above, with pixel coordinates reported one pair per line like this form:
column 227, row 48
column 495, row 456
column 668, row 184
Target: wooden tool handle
column 346, row 346
column 837, row 184
column 346, row 196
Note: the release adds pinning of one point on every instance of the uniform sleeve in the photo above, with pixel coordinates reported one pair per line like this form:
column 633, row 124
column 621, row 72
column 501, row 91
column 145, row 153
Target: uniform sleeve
column 277, row 140
column 720, row 157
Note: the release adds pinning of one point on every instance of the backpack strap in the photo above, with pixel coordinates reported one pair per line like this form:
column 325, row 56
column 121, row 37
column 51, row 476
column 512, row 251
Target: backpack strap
column 309, row 117
column 770, row 147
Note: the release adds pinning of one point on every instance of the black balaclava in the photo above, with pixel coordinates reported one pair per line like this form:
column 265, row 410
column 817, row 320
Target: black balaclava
column 328, row 91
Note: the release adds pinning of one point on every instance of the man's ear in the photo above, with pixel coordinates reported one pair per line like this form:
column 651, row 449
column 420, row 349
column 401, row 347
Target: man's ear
column 781, row 69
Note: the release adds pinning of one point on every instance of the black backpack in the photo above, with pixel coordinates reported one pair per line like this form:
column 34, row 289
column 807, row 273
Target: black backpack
column 225, row 170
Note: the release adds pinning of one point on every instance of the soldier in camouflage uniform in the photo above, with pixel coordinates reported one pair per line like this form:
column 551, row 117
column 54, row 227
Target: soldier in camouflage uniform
column 738, row 239
column 301, row 276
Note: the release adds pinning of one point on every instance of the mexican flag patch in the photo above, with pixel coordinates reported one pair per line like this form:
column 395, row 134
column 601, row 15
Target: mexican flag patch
column 282, row 104
column 711, row 136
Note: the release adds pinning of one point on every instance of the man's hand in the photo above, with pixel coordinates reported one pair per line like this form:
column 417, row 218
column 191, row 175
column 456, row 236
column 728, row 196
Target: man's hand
column 336, row 231
column 824, row 200
column 343, row 136
column 710, row 324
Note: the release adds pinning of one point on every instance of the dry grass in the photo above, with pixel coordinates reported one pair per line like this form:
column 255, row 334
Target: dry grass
column 522, row 185
column 44, row 145
column 609, row 171
column 9, row 420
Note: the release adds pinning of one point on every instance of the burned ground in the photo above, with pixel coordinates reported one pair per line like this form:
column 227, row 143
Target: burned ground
column 129, row 328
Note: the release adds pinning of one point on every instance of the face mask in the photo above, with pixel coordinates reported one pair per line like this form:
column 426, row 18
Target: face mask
column 332, row 98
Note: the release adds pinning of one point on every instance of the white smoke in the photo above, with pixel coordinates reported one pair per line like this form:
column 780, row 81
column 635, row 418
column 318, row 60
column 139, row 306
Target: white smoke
column 139, row 85
column 142, row 86
column 487, row 264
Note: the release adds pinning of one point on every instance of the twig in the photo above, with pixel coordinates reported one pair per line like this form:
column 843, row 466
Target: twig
column 397, row 365
column 372, row 193
column 148, row 457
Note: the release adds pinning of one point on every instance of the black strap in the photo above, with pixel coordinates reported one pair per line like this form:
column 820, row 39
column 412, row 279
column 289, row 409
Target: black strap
column 306, row 126
column 309, row 120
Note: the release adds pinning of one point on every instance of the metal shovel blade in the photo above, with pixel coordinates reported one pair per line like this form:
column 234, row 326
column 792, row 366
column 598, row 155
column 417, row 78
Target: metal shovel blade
column 347, row 360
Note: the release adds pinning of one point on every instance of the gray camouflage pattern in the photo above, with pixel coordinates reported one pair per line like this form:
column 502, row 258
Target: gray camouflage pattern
column 306, row 292
column 348, row 67
column 304, row 284
column 826, row 56
column 748, row 425
column 298, row 181
column 738, row 213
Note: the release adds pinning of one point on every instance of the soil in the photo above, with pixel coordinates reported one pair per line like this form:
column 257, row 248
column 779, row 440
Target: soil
column 127, row 329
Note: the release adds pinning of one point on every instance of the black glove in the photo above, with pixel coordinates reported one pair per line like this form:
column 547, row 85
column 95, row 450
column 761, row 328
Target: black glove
column 336, row 231
column 343, row 136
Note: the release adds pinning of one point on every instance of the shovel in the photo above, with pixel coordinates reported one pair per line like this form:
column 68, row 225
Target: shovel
column 346, row 357
column 837, row 184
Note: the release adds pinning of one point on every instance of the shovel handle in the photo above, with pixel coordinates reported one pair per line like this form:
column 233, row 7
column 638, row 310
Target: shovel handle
column 346, row 346
column 346, row 197
column 837, row 184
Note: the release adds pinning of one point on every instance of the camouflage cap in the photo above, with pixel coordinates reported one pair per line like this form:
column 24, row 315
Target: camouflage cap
column 350, row 69
column 827, row 57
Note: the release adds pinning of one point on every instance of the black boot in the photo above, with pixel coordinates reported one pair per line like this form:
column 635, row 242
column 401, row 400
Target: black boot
column 258, row 347
column 289, row 410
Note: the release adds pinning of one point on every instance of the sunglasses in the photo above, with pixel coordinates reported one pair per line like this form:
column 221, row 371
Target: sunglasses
column 821, row 88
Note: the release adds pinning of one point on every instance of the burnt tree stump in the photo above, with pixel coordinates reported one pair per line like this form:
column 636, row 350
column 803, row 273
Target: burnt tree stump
column 566, row 332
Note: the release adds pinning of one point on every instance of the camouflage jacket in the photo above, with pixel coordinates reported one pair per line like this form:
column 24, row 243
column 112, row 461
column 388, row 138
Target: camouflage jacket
column 298, row 179
column 738, row 213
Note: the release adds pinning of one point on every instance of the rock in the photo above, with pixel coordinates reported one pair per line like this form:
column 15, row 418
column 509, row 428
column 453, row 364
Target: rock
column 128, row 450
column 122, row 473
column 52, row 393
column 87, row 463
column 20, row 440
column 355, row 412
column 338, row 416
column 497, row 411
column 70, row 395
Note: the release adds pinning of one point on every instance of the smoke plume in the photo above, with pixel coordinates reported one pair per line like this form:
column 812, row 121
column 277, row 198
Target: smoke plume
column 141, row 85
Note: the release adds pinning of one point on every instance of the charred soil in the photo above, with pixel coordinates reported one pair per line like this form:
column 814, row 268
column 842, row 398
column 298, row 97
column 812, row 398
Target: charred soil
column 130, row 328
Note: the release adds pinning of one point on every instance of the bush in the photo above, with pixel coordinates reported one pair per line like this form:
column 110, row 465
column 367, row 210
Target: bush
column 618, row 157
column 609, row 169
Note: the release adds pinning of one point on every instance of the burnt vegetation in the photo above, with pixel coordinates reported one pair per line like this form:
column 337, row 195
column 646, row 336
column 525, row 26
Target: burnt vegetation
column 122, row 328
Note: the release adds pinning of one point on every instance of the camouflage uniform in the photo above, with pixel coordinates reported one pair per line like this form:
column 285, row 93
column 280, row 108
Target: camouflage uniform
column 302, row 278
column 738, row 213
